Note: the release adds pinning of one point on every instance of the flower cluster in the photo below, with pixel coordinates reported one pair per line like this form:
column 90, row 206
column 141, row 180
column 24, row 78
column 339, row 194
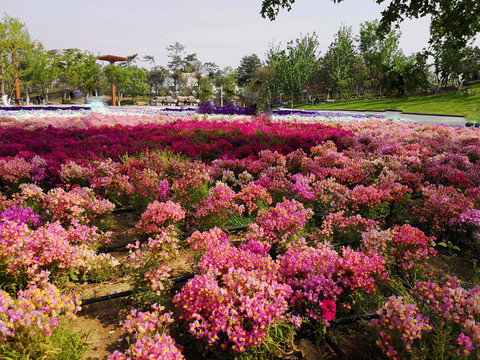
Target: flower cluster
column 280, row 223
column 161, row 346
column 405, row 247
column 208, row 107
column 26, row 252
column 311, row 272
column 302, row 186
column 251, row 257
column 340, row 228
column 330, row 196
column 235, row 309
column 79, row 203
column 145, row 323
column 442, row 205
column 18, row 169
column 319, row 275
column 467, row 225
column 443, row 320
column 218, row 205
column 150, row 331
column 108, row 177
column 252, row 195
column 148, row 262
column 187, row 178
column 150, row 186
column 410, row 247
column 453, row 306
column 207, row 240
column 160, row 215
column 35, row 309
column 400, row 323
column 20, row 215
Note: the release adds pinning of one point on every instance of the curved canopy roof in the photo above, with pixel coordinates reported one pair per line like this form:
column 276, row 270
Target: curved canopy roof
column 112, row 58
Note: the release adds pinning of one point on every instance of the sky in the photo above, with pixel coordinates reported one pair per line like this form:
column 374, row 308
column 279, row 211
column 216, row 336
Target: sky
column 219, row 31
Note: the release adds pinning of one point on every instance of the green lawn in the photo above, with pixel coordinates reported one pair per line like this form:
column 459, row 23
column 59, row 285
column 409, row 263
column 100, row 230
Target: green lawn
column 465, row 102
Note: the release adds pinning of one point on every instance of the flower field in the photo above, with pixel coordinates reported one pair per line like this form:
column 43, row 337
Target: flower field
column 248, row 236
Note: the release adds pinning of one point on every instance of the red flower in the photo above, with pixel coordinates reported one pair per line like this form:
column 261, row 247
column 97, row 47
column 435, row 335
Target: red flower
column 329, row 308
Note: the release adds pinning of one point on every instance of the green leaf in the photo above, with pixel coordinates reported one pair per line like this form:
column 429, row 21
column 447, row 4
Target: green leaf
column 72, row 275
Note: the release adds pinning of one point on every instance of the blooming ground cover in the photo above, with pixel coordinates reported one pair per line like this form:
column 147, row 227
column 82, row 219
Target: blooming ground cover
column 339, row 218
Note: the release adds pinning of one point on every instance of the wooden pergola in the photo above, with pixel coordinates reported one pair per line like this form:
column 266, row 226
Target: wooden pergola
column 112, row 59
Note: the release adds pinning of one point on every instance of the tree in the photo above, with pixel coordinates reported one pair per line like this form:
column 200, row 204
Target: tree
column 137, row 84
column 205, row 88
column 294, row 66
column 379, row 54
column 228, row 82
column 246, row 69
column 470, row 65
column 130, row 80
column 156, row 78
column 131, row 60
column 211, row 69
column 191, row 63
column 150, row 59
column 447, row 61
column 261, row 88
column 455, row 20
column 78, row 70
column 339, row 61
column 177, row 62
column 416, row 73
column 38, row 68
column 14, row 41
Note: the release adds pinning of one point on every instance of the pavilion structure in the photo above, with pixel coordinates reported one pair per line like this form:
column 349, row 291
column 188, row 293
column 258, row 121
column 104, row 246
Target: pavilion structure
column 112, row 59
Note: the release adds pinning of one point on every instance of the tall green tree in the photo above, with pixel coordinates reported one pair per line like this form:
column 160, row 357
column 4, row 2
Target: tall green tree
column 228, row 82
column 176, row 64
column 339, row 61
column 156, row 78
column 447, row 60
column 470, row 65
column 129, row 80
column 294, row 66
column 191, row 63
column 137, row 82
column 205, row 86
column 14, row 42
column 150, row 59
column 211, row 69
column 416, row 73
column 38, row 69
column 78, row 70
column 44, row 69
column 260, row 90
column 246, row 70
column 380, row 54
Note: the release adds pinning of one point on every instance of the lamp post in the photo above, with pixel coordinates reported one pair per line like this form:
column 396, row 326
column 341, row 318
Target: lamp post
column 221, row 95
column 112, row 59
column 15, row 76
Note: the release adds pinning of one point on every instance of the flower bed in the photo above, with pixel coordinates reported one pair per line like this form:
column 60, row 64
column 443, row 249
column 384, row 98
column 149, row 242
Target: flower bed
column 101, row 115
column 339, row 219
